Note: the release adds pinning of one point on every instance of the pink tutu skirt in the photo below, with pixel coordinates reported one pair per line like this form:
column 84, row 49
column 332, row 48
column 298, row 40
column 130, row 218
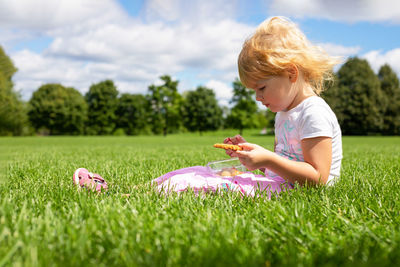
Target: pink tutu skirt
column 201, row 179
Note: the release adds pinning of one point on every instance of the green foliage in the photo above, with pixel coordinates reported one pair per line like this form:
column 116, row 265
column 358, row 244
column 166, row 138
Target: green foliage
column 45, row 221
column 7, row 69
column 270, row 116
column 58, row 109
column 133, row 114
column 166, row 106
column 201, row 110
column 266, row 121
column 244, row 112
column 102, row 103
column 390, row 86
column 13, row 117
column 357, row 99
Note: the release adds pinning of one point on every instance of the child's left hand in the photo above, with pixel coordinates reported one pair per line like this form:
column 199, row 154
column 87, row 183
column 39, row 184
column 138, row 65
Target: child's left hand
column 253, row 156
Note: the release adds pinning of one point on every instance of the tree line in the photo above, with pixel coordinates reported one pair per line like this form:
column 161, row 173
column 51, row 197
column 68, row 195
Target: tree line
column 54, row 109
column 57, row 110
column 364, row 102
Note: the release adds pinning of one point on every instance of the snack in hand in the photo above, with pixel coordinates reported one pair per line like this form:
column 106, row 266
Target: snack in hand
column 228, row 146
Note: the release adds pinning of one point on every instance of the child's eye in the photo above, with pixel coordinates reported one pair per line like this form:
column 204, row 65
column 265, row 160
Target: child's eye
column 262, row 88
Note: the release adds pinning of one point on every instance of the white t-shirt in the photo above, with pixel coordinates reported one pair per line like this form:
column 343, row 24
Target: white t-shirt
column 311, row 118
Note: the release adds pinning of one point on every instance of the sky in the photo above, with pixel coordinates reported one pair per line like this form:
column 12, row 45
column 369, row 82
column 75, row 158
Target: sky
column 133, row 42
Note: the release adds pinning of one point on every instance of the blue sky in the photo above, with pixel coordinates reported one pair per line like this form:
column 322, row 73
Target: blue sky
column 81, row 42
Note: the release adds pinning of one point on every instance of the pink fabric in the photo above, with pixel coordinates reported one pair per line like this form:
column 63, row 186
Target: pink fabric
column 201, row 179
column 86, row 179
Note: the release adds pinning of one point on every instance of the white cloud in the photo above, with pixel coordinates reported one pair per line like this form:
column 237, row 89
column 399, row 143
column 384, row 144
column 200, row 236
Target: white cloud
column 340, row 50
column 223, row 91
column 25, row 20
column 378, row 59
column 340, row 10
column 49, row 15
column 163, row 9
column 193, row 11
column 132, row 53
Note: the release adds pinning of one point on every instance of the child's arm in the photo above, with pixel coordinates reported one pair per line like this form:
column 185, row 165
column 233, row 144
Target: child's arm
column 317, row 155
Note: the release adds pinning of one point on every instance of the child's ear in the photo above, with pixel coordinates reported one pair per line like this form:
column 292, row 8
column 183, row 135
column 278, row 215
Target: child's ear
column 293, row 73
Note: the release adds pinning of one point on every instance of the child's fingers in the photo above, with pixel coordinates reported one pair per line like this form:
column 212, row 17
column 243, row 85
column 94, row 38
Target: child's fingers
column 234, row 140
column 247, row 146
column 241, row 153
column 228, row 141
column 230, row 152
column 239, row 139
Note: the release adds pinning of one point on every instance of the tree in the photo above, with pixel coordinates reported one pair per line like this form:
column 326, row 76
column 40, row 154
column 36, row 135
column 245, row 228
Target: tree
column 166, row 106
column 133, row 114
column 391, row 88
column 58, row 109
column 201, row 110
column 333, row 96
column 12, row 109
column 357, row 99
column 266, row 119
column 102, row 103
column 244, row 112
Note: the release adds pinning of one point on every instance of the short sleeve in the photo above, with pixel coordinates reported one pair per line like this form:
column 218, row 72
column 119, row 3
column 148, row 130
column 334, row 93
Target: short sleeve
column 316, row 121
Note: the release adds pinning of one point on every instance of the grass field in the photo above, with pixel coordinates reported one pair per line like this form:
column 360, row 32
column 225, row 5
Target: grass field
column 44, row 221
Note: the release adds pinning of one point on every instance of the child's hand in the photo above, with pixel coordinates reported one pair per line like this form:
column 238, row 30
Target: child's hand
column 253, row 156
column 237, row 139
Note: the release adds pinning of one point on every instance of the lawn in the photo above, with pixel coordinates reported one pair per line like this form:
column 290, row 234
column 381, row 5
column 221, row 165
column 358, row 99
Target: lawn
column 45, row 221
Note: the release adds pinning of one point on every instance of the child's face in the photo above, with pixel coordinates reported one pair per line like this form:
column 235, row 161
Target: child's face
column 276, row 93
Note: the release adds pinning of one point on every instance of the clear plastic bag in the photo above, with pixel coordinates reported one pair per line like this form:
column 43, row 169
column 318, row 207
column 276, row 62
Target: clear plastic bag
column 226, row 167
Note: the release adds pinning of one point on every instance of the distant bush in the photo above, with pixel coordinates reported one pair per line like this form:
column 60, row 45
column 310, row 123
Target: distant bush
column 58, row 110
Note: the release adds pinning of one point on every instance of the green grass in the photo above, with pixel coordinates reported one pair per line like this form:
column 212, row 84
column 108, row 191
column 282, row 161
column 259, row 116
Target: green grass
column 45, row 221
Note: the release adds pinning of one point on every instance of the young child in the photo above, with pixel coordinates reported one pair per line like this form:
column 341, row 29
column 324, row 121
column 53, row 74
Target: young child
column 287, row 74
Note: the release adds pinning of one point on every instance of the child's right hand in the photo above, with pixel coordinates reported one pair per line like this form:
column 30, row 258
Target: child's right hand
column 237, row 139
column 253, row 156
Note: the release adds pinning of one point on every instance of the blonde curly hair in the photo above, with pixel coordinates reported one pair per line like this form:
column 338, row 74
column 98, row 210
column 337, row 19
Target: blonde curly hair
column 276, row 45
